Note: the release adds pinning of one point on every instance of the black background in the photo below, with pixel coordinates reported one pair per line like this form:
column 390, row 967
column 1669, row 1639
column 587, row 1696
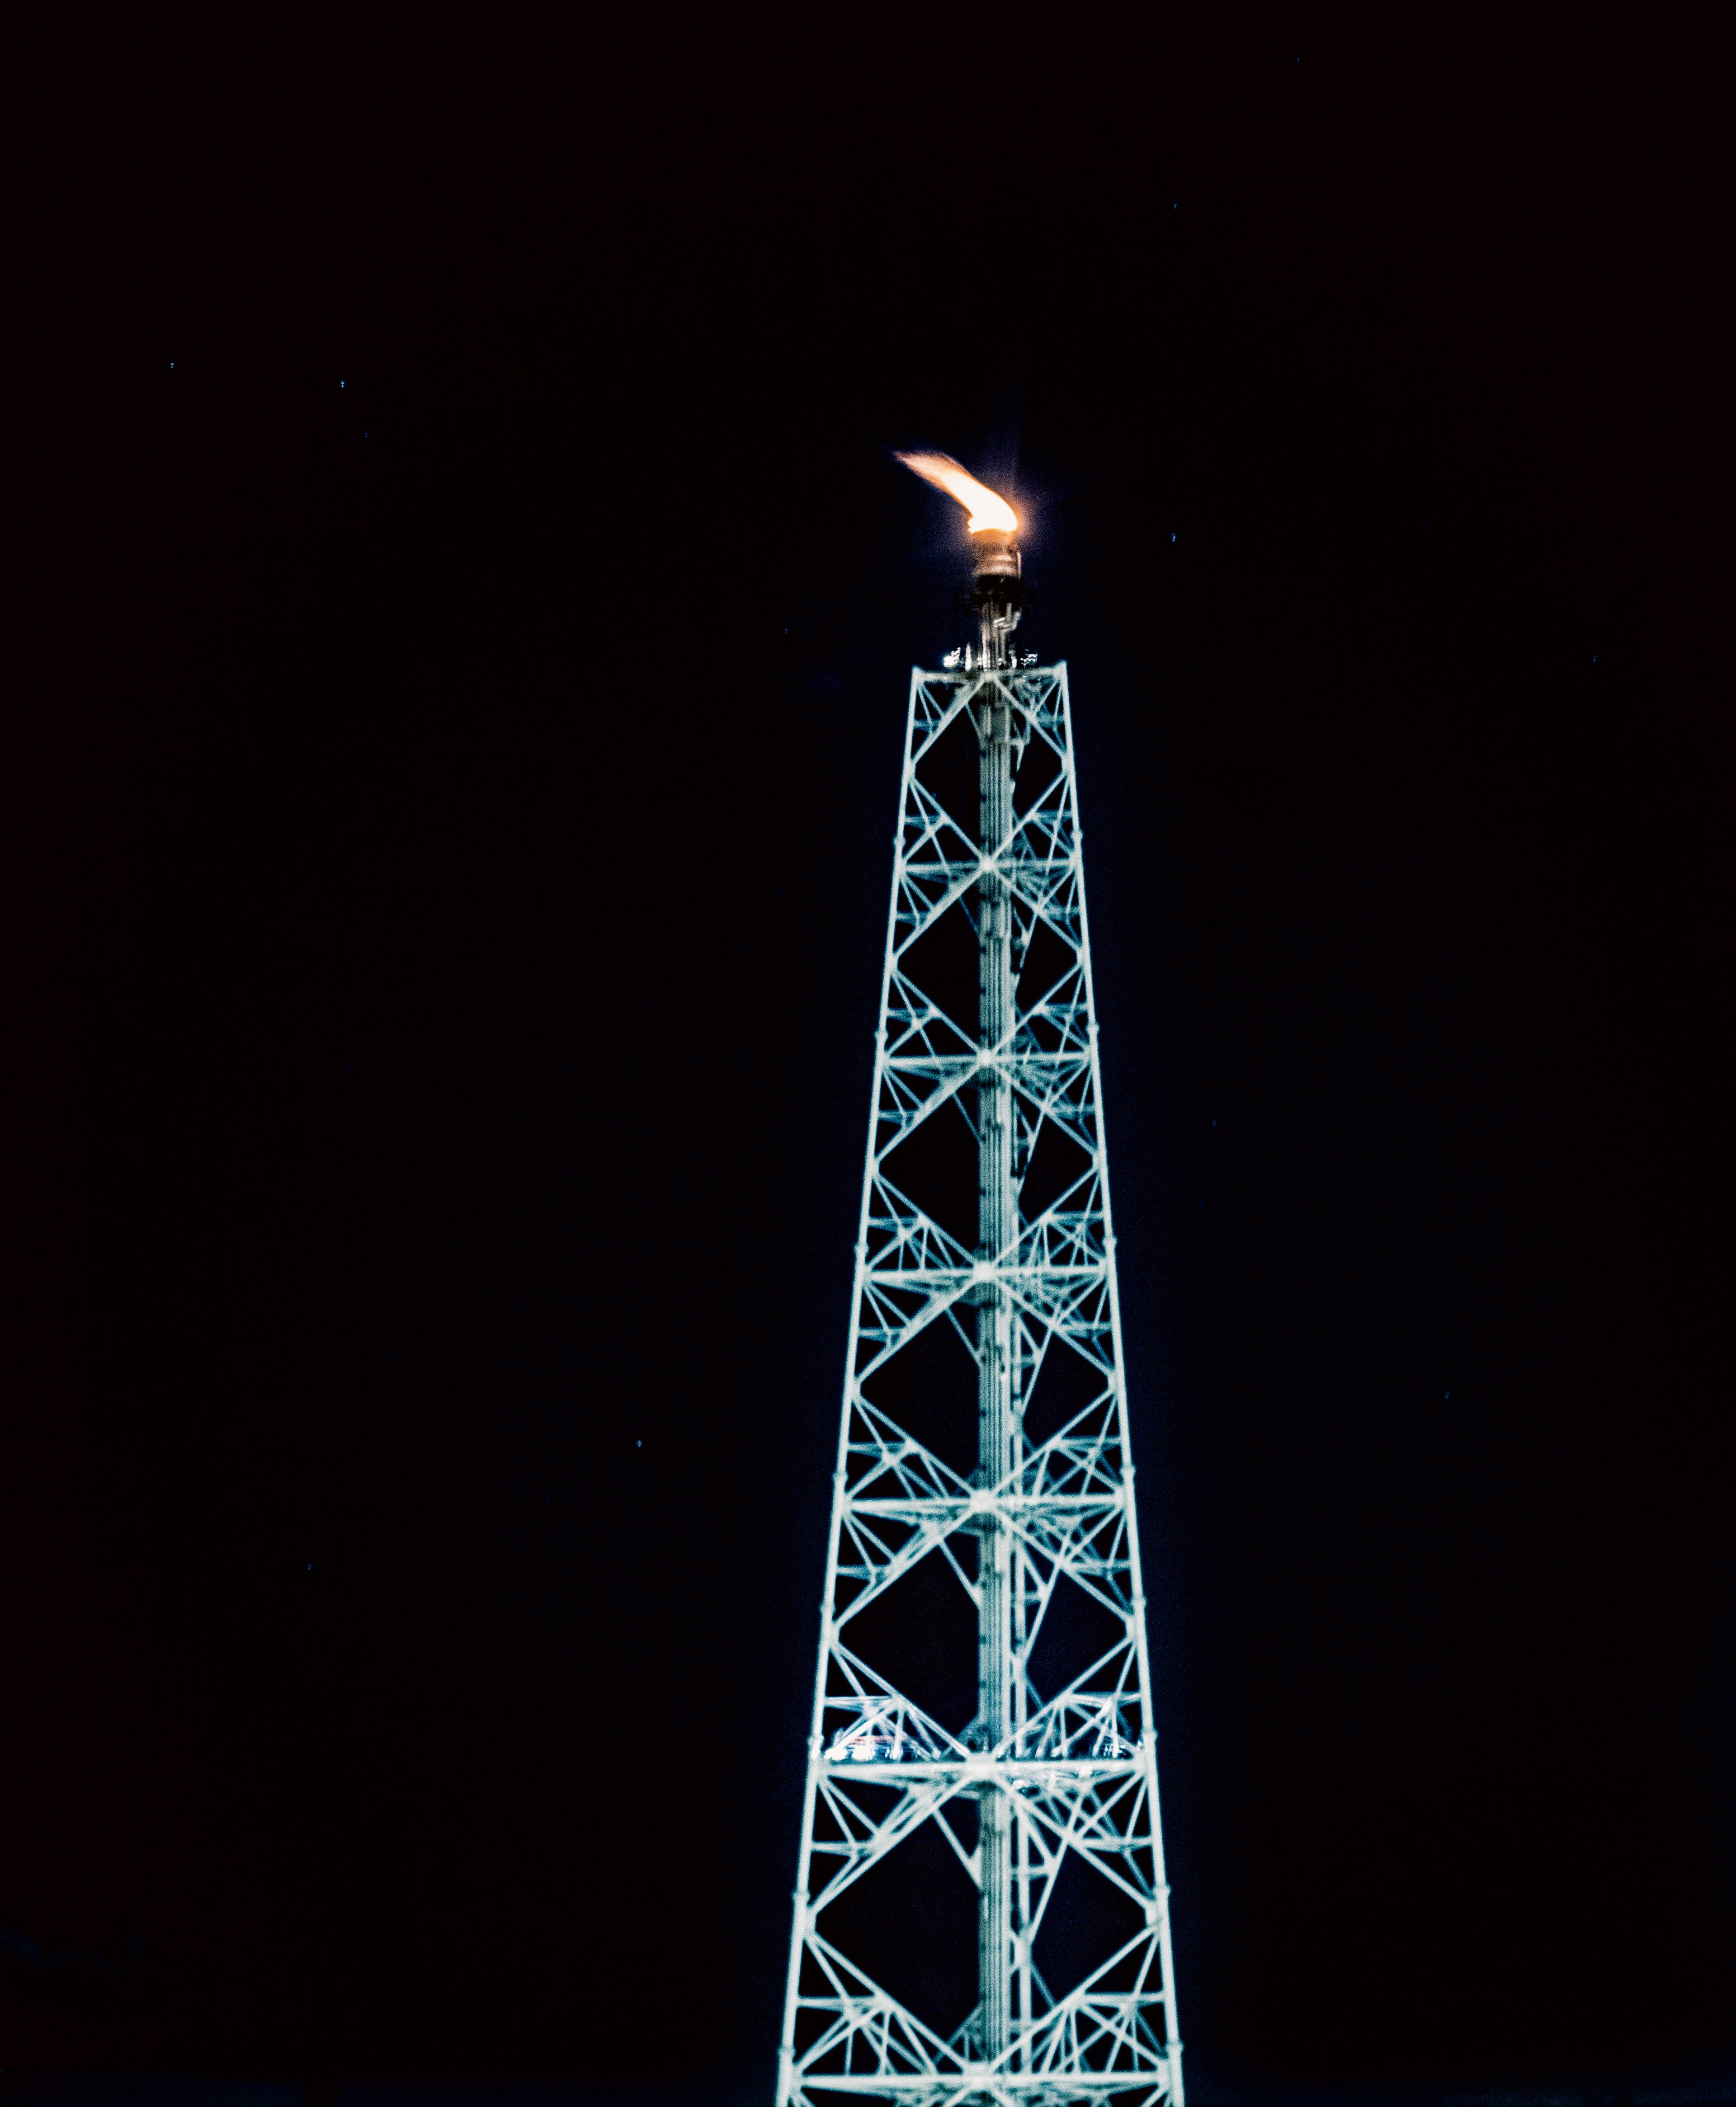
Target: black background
column 455, row 825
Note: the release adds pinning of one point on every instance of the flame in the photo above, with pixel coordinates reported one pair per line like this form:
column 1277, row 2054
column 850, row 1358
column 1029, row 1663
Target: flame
column 944, row 472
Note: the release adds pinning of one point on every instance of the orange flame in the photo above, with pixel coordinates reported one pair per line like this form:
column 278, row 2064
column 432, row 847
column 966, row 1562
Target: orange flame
column 986, row 509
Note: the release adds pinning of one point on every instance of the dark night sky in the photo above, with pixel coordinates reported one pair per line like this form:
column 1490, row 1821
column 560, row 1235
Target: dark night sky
column 456, row 838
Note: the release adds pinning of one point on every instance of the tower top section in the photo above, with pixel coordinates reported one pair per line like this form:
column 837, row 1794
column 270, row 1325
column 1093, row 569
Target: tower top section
column 998, row 588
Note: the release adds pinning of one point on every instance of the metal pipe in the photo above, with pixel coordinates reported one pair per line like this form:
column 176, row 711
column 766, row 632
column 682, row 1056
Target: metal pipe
column 998, row 592
column 998, row 1207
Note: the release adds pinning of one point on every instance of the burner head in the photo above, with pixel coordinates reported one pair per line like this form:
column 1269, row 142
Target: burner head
column 996, row 553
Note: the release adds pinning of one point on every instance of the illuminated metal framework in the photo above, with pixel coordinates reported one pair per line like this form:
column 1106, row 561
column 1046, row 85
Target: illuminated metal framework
column 1041, row 1783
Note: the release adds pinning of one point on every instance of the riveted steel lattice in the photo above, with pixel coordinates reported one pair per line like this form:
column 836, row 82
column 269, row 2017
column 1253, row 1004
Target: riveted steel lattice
column 1042, row 1791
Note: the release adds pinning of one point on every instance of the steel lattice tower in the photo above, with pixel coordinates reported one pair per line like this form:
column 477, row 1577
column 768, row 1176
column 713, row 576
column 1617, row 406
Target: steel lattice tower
column 1045, row 1781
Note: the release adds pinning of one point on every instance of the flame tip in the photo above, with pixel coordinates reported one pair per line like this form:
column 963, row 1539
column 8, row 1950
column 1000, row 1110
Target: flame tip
column 985, row 508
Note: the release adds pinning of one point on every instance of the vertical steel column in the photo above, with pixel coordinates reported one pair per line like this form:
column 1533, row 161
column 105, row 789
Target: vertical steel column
column 997, row 1220
column 1021, row 1708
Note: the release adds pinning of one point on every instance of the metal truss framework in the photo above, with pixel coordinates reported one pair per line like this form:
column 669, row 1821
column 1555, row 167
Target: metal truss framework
column 1063, row 1777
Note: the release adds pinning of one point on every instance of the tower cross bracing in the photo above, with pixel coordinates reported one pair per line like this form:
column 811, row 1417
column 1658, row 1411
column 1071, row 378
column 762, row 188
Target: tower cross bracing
column 1046, row 1794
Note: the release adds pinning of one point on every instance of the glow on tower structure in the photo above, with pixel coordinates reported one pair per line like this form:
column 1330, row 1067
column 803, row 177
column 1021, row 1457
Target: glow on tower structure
column 981, row 1911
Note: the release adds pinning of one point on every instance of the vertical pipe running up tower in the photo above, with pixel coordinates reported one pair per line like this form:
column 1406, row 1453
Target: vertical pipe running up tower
column 997, row 1222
